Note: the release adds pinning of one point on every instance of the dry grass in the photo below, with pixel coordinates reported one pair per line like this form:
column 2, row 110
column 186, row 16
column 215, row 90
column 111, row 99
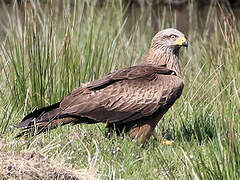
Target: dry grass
column 33, row 165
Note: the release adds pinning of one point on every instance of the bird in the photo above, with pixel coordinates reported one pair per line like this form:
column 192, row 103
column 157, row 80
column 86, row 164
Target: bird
column 129, row 101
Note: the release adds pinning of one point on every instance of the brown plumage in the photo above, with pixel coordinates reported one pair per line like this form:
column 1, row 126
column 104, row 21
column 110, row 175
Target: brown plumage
column 131, row 100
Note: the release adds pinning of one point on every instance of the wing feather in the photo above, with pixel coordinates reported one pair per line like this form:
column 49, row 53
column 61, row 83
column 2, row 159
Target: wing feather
column 133, row 72
column 125, row 95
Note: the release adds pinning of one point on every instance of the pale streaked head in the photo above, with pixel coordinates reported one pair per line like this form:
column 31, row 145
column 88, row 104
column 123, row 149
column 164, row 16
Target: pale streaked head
column 169, row 40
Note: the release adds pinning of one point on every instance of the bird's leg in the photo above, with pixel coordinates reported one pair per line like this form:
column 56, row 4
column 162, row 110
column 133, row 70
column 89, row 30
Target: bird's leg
column 113, row 128
column 141, row 133
column 143, row 130
column 155, row 135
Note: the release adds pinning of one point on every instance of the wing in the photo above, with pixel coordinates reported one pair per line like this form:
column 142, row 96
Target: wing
column 130, row 73
column 125, row 95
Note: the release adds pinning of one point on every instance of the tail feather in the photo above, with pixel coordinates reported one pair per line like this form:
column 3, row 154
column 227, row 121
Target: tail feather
column 42, row 119
column 48, row 117
column 43, row 114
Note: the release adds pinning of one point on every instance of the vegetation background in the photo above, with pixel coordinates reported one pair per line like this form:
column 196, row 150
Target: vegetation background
column 48, row 49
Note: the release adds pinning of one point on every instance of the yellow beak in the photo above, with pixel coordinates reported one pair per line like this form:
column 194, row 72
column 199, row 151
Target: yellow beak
column 182, row 42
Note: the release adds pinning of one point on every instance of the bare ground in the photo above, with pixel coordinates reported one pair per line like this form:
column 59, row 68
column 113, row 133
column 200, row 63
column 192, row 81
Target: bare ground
column 33, row 165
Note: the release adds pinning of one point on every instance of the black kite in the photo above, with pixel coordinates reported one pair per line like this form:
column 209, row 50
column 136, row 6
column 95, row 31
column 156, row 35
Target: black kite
column 132, row 100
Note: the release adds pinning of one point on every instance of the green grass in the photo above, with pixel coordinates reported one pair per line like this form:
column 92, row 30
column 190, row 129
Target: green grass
column 47, row 51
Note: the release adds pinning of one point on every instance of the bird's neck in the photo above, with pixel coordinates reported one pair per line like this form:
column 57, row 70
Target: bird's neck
column 163, row 58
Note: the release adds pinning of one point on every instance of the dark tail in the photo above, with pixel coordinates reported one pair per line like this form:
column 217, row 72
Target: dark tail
column 42, row 119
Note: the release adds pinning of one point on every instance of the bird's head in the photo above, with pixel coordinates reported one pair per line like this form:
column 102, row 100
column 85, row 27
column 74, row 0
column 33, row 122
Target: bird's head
column 169, row 40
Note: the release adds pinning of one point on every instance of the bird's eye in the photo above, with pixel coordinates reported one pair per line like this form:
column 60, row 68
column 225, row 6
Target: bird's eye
column 172, row 36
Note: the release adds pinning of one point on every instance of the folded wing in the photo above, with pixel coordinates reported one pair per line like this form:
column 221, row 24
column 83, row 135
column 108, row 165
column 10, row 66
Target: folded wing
column 125, row 95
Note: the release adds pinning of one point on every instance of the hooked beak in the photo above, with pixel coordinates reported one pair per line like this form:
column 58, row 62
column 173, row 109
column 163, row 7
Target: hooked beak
column 182, row 42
